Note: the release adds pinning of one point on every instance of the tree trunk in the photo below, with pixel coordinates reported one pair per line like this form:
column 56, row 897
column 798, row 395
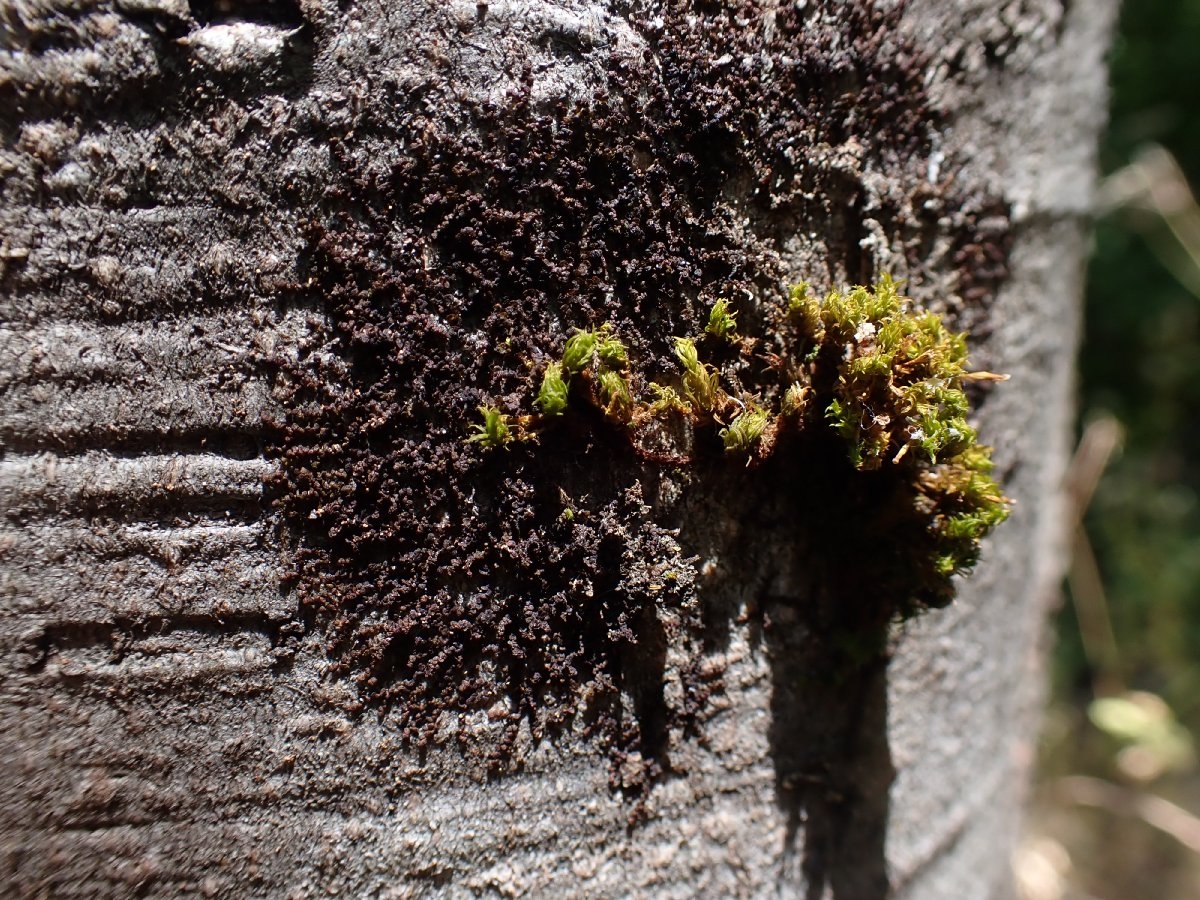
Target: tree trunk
column 271, row 627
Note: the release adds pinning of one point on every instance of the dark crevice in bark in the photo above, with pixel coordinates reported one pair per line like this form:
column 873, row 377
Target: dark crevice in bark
column 264, row 12
column 123, row 636
column 243, row 442
column 164, row 73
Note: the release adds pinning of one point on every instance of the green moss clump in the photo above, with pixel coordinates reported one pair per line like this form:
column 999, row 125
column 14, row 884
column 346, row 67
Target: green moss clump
column 889, row 379
column 597, row 360
column 864, row 365
column 494, row 431
column 701, row 385
column 552, row 396
column 746, row 431
column 616, row 399
column 900, row 375
column 579, row 352
column 722, row 324
column 964, row 504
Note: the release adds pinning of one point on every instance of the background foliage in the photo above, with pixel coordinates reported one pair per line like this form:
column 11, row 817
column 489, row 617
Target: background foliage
column 1109, row 834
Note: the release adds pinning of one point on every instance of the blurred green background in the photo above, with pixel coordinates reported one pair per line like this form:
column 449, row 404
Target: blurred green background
column 1115, row 815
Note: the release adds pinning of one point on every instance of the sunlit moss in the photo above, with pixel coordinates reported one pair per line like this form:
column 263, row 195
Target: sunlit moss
column 701, row 384
column 494, row 431
column 897, row 400
column 862, row 364
column 746, row 430
column 722, row 323
column 552, row 395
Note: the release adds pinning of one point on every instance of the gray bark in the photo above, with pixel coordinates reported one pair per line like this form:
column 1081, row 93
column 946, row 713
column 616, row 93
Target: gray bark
column 167, row 731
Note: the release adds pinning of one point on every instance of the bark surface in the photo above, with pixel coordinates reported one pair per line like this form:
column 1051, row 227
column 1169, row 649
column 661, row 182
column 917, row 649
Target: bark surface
column 269, row 627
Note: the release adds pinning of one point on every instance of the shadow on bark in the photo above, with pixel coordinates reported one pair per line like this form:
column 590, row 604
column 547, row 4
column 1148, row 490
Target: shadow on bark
column 818, row 580
column 833, row 767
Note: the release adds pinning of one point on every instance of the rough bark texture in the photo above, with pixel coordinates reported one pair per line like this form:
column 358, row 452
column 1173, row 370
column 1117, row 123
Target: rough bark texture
column 270, row 628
